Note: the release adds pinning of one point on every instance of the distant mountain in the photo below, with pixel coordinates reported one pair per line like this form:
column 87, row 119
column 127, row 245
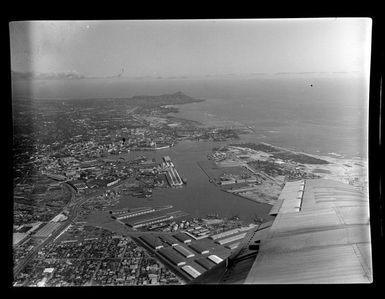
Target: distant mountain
column 176, row 95
column 165, row 99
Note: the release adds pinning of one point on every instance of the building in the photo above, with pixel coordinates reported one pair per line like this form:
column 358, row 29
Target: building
column 47, row 229
column 153, row 242
column 172, row 256
column 225, row 234
column 191, row 271
column 231, row 239
column 113, row 183
column 184, row 251
column 140, row 218
column 59, row 217
column 199, row 248
column 130, row 214
column 205, row 263
column 168, row 240
column 198, row 234
column 215, row 259
column 150, row 221
column 233, row 246
column 182, row 237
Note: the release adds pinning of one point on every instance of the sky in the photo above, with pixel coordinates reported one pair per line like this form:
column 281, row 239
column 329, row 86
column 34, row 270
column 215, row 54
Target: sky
column 191, row 47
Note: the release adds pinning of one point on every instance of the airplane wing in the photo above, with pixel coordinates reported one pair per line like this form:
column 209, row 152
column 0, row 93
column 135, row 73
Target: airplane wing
column 320, row 234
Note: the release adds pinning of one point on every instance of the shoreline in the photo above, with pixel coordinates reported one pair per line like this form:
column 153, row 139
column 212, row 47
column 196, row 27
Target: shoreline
column 352, row 171
column 262, row 133
column 332, row 156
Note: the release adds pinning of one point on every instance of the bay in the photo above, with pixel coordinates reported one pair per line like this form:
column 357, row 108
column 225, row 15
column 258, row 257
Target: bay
column 198, row 197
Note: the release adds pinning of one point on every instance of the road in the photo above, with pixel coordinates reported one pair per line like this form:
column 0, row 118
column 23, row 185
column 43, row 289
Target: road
column 73, row 210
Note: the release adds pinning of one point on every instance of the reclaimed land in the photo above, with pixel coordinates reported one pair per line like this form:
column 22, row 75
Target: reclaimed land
column 266, row 192
column 283, row 154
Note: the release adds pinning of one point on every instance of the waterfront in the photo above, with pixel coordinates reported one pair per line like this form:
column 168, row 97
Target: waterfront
column 198, row 197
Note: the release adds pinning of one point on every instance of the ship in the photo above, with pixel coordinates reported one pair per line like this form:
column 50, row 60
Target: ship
column 184, row 180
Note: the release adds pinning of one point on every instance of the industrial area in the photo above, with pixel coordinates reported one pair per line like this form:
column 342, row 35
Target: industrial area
column 189, row 255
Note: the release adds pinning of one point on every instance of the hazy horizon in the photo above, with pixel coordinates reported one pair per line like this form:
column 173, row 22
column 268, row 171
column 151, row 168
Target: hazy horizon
column 191, row 48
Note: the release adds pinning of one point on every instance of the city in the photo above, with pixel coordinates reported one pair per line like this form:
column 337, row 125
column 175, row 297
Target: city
column 88, row 167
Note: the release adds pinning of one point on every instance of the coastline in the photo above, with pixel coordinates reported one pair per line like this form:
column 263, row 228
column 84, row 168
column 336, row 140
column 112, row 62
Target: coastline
column 340, row 167
column 299, row 131
column 348, row 169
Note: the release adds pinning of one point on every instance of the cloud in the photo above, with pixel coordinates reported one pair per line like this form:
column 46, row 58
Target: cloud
column 65, row 75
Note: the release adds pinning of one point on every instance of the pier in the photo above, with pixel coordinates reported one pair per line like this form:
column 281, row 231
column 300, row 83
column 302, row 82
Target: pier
column 172, row 174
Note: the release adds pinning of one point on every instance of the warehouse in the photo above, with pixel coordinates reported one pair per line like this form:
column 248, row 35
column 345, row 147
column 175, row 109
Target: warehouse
column 246, row 228
column 47, row 229
column 225, row 234
column 124, row 215
column 202, row 235
column 169, row 240
column 205, row 263
column 182, row 237
column 196, row 235
column 191, row 271
column 172, row 256
column 215, row 259
column 183, row 251
column 152, row 241
column 233, row 245
column 139, row 224
column 231, row 239
column 199, row 248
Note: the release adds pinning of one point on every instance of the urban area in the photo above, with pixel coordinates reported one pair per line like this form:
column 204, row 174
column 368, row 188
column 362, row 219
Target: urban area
column 69, row 162
column 74, row 162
